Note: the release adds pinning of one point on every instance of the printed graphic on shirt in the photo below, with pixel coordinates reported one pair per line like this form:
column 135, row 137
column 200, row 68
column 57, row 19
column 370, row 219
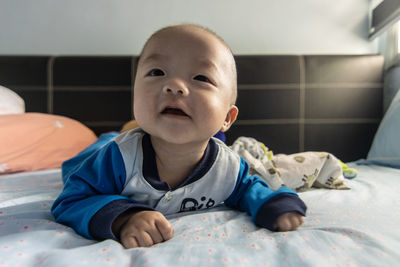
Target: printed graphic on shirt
column 191, row 204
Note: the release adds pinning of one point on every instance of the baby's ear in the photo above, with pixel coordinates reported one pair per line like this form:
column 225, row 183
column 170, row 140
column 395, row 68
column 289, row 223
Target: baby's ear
column 230, row 118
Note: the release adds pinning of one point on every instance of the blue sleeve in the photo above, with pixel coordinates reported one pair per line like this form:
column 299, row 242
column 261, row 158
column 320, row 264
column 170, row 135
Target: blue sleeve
column 253, row 195
column 90, row 183
column 69, row 166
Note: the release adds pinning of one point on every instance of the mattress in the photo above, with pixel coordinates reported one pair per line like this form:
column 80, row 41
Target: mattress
column 356, row 227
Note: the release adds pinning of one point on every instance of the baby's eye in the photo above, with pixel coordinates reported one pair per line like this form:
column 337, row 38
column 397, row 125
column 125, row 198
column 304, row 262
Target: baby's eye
column 202, row 78
column 156, row 72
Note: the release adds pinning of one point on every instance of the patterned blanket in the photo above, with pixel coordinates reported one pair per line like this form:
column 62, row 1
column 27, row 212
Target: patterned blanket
column 299, row 171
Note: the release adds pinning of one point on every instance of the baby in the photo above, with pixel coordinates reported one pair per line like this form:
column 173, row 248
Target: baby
column 184, row 93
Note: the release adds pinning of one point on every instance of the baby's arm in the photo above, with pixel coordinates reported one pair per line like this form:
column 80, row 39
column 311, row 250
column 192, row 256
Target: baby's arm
column 142, row 228
column 91, row 199
column 279, row 210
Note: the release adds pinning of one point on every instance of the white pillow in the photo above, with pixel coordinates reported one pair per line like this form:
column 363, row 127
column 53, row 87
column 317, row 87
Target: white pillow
column 10, row 102
column 385, row 148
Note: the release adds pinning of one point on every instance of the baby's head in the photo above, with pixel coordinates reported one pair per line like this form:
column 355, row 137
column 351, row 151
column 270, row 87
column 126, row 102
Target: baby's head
column 185, row 86
column 201, row 32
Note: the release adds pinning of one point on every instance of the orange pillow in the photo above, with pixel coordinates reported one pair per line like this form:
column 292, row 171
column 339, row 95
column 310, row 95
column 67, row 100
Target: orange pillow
column 37, row 141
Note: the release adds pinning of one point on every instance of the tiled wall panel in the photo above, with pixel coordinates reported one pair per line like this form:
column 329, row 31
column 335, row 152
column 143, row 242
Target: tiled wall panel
column 291, row 103
column 28, row 77
column 94, row 90
column 261, row 104
column 347, row 141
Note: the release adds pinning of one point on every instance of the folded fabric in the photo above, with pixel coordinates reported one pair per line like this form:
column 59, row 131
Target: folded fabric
column 299, row 171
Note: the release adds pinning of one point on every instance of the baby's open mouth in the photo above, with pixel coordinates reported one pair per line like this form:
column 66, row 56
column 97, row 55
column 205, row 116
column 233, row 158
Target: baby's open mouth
column 174, row 111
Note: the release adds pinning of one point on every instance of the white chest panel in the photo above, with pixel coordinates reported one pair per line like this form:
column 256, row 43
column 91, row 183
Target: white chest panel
column 211, row 189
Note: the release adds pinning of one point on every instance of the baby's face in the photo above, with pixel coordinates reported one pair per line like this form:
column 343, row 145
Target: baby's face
column 183, row 87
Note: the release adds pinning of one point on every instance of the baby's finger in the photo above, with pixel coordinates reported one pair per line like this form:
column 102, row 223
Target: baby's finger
column 299, row 221
column 284, row 225
column 165, row 228
column 144, row 239
column 129, row 242
column 155, row 235
column 295, row 220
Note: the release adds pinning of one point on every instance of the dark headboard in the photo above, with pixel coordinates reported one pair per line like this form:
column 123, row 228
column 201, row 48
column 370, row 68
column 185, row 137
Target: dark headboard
column 290, row 103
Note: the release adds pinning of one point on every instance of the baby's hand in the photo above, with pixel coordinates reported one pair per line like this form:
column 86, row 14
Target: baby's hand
column 144, row 229
column 288, row 222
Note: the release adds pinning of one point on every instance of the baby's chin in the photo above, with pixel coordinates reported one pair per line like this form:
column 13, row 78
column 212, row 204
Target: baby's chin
column 179, row 139
column 170, row 134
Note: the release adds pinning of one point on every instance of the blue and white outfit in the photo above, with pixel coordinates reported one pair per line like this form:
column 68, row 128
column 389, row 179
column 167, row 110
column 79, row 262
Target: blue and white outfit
column 112, row 176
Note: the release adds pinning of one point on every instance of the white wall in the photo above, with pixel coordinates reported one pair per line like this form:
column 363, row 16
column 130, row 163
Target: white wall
column 120, row 27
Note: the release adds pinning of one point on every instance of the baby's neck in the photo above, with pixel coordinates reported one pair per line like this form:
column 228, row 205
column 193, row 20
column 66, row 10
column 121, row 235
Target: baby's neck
column 176, row 162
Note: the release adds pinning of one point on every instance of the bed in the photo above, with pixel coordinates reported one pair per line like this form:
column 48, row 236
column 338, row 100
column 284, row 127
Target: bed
column 357, row 227
column 310, row 103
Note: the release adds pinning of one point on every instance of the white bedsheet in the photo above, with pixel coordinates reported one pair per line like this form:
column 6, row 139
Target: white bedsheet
column 357, row 227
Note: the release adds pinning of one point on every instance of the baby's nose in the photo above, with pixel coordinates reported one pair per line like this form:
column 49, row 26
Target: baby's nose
column 175, row 86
